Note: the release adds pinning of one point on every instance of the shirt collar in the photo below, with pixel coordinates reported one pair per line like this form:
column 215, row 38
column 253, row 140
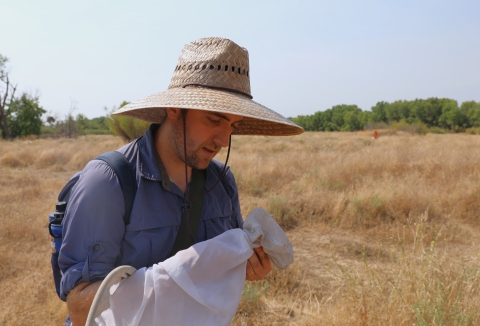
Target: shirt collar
column 151, row 167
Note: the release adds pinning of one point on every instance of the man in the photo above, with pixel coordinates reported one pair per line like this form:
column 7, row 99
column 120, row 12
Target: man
column 208, row 100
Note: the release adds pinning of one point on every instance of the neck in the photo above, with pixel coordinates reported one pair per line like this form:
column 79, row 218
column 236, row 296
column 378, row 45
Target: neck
column 174, row 165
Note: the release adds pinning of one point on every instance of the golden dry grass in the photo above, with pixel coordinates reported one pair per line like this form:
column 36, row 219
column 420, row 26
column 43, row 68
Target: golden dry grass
column 385, row 231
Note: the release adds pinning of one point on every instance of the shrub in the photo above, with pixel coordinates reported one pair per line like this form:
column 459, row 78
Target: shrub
column 437, row 130
column 473, row 131
column 126, row 127
column 376, row 126
column 416, row 127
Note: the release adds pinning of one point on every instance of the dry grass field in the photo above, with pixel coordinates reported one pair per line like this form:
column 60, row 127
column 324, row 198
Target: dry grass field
column 385, row 231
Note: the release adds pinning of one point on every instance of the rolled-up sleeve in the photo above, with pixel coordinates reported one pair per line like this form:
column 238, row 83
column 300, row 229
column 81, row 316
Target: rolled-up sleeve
column 93, row 227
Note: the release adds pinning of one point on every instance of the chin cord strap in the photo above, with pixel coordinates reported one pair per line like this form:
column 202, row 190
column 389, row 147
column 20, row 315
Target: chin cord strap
column 186, row 204
column 224, row 171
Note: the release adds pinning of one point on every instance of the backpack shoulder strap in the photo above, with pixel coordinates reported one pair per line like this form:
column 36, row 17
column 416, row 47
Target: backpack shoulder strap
column 126, row 176
column 191, row 216
column 64, row 195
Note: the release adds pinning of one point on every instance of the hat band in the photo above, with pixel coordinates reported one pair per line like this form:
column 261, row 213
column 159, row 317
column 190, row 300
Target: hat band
column 220, row 88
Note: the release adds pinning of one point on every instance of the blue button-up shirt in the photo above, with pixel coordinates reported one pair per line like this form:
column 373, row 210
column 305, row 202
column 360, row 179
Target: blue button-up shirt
column 95, row 238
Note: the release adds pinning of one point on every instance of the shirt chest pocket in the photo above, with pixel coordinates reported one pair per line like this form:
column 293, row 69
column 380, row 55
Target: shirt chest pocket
column 150, row 235
column 147, row 247
column 218, row 216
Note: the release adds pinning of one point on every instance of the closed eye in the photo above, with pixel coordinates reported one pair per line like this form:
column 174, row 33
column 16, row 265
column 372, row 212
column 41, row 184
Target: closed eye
column 214, row 121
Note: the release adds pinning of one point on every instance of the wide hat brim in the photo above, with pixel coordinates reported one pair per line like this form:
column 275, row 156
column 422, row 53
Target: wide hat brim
column 258, row 119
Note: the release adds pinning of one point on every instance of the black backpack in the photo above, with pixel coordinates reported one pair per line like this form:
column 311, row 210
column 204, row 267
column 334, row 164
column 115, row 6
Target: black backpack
column 128, row 183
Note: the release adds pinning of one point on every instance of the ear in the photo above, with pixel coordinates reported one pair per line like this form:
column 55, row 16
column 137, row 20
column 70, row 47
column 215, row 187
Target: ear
column 173, row 113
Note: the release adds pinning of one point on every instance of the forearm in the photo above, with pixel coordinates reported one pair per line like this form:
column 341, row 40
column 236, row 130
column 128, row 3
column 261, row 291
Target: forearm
column 79, row 301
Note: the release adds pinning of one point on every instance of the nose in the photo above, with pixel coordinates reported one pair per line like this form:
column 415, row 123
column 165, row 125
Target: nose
column 222, row 137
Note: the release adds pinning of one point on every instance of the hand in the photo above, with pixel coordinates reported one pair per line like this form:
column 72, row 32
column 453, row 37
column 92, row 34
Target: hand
column 258, row 265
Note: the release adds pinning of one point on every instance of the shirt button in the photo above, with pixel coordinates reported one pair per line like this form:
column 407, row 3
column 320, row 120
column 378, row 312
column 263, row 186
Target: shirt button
column 95, row 247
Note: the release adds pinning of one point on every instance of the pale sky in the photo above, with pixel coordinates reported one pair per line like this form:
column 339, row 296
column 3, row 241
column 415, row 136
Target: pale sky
column 305, row 56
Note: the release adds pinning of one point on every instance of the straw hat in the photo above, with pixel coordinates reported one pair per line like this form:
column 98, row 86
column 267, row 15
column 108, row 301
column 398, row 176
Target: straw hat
column 213, row 74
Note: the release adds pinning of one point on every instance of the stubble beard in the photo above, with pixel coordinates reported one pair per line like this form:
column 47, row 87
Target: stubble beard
column 193, row 160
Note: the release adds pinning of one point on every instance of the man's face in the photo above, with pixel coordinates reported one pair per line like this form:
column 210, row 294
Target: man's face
column 207, row 132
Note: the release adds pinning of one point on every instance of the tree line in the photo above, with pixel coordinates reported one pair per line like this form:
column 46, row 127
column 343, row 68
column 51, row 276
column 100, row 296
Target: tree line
column 21, row 116
column 430, row 114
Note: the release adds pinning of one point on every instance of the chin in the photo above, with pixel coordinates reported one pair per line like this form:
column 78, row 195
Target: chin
column 201, row 165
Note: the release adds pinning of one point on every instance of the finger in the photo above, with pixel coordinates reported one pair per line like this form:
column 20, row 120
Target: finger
column 266, row 263
column 249, row 268
column 255, row 270
column 250, row 273
column 264, row 259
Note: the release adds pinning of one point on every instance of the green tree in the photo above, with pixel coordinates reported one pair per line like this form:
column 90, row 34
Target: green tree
column 471, row 111
column 338, row 113
column 24, row 116
column 301, row 120
column 338, row 118
column 379, row 112
column 96, row 126
column 432, row 108
column 346, row 117
column 451, row 117
column 351, row 121
column 364, row 118
column 399, row 110
column 417, row 110
column 127, row 128
column 320, row 120
column 100, row 123
column 82, row 123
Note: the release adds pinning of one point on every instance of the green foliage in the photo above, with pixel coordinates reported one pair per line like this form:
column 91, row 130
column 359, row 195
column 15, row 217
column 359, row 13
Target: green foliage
column 438, row 312
column 443, row 305
column 95, row 126
column 471, row 111
column 74, row 126
column 417, row 116
column 24, row 116
column 126, row 127
column 437, row 130
column 398, row 110
column 473, row 131
column 253, row 291
column 379, row 112
column 338, row 118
